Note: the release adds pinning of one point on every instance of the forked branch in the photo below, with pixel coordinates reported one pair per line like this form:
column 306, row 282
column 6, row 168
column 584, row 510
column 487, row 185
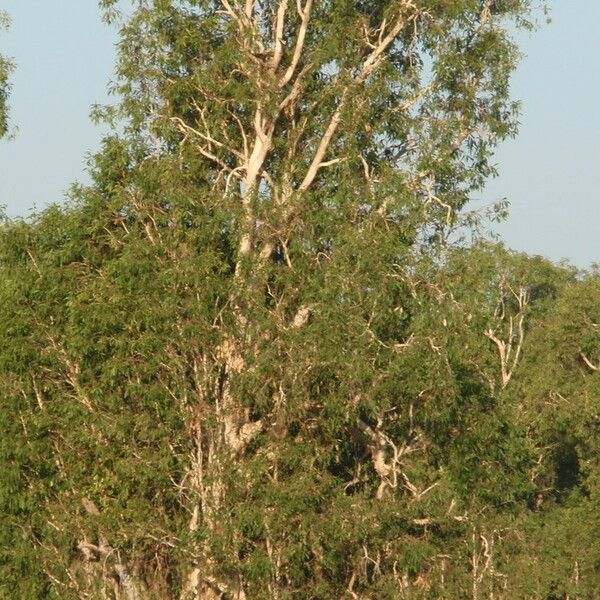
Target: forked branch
column 373, row 60
column 510, row 345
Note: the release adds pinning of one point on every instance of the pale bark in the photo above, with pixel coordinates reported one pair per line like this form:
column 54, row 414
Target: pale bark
column 588, row 363
column 128, row 584
column 509, row 342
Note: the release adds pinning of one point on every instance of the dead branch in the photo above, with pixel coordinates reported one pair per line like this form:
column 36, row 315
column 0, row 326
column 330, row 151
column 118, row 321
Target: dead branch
column 588, row 362
column 511, row 344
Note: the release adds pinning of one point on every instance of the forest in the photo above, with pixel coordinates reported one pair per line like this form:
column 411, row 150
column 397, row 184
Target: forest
column 271, row 352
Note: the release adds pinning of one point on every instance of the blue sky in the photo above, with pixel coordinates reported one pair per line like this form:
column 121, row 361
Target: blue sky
column 549, row 173
column 64, row 57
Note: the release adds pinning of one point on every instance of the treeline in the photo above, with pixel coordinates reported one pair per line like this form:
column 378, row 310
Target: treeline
column 431, row 434
column 254, row 360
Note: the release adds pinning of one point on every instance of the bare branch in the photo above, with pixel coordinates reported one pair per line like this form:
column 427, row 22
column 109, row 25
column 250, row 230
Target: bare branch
column 188, row 129
column 204, row 151
column 304, row 14
column 588, row 362
column 250, row 8
column 324, row 144
column 233, row 173
column 295, row 91
column 508, row 352
column 432, row 198
column 279, row 26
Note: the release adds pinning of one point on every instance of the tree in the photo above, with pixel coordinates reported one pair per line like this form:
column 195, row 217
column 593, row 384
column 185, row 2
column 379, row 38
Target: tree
column 6, row 67
column 558, row 389
column 229, row 357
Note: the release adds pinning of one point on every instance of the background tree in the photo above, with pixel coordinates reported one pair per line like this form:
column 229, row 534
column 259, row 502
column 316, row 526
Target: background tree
column 5, row 69
column 558, row 391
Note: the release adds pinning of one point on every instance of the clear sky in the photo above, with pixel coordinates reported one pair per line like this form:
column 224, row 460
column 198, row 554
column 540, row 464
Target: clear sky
column 64, row 56
column 550, row 173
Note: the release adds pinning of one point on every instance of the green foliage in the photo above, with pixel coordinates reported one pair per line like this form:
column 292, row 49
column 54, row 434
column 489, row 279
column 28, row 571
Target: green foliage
column 6, row 66
column 237, row 366
column 105, row 320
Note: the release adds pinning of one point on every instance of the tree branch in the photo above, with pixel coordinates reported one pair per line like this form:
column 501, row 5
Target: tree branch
column 370, row 64
column 279, row 27
column 588, row 362
column 304, row 14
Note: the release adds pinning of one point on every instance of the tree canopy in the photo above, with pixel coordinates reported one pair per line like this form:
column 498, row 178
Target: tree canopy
column 255, row 359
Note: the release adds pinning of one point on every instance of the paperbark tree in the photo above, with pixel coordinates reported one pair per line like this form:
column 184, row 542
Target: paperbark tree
column 371, row 115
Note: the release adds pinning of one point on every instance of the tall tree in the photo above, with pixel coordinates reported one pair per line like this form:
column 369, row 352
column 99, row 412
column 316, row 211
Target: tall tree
column 313, row 123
